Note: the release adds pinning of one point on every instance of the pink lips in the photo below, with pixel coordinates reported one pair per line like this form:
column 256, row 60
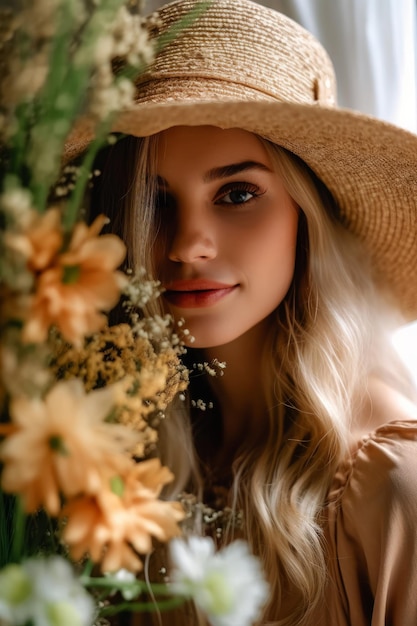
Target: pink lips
column 196, row 292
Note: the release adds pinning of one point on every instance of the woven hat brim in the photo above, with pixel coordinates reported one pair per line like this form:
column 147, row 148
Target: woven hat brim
column 368, row 165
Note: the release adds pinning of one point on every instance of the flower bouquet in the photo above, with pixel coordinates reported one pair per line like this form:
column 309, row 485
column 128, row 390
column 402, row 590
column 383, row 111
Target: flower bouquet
column 81, row 399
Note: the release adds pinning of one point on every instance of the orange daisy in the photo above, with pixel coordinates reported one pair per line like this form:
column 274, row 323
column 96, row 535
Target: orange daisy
column 41, row 240
column 81, row 283
column 116, row 525
column 62, row 445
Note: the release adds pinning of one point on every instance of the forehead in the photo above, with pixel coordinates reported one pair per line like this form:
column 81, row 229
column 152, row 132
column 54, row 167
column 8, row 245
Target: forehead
column 206, row 146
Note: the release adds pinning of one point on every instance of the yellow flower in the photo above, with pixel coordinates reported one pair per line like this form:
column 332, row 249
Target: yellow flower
column 151, row 375
column 63, row 446
column 82, row 283
column 117, row 525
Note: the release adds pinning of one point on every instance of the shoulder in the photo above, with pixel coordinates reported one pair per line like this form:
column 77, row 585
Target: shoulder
column 376, row 487
column 384, row 456
column 382, row 404
column 385, row 461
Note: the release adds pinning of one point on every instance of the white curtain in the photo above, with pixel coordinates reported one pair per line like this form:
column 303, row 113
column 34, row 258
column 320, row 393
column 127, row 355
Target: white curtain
column 372, row 44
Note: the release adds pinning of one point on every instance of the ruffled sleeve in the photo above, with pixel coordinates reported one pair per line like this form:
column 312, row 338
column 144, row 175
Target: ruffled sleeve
column 372, row 532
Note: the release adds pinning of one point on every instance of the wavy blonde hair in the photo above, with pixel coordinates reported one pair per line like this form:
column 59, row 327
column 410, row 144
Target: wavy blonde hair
column 329, row 334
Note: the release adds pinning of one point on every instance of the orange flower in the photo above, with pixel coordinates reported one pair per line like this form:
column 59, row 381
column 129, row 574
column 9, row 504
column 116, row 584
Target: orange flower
column 63, row 446
column 79, row 286
column 41, row 241
column 116, row 525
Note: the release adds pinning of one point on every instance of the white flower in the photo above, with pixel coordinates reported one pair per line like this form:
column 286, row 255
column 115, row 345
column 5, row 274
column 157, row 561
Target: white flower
column 228, row 585
column 132, row 588
column 17, row 204
column 15, row 589
column 45, row 592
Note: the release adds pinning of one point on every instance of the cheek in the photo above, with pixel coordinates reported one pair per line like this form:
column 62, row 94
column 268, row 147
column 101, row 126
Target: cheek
column 275, row 265
column 272, row 248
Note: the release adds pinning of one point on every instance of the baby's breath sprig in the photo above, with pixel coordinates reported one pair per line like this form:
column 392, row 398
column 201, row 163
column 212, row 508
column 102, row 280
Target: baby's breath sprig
column 201, row 404
column 216, row 520
column 214, row 368
column 140, row 290
column 58, row 66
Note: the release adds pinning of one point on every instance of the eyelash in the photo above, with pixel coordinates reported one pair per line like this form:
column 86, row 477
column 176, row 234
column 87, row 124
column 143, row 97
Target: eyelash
column 166, row 200
column 250, row 188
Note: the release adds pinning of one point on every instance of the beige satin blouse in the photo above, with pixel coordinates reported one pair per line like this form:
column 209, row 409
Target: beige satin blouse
column 371, row 533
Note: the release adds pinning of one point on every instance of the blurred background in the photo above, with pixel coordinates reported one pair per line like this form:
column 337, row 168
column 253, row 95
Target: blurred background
column 372, row 44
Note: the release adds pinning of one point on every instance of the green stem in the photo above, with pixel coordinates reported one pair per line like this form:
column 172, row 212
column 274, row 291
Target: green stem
column 62, row 97
column 157, row 588
column 59, row 55
column 20, row 139
column 141, row 607
column 88, row 568
column 4, row 531
column 19, row 532
column 40, row 195
column 73, row 206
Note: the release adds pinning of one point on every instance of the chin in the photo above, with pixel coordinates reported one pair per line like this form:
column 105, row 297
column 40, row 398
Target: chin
column 205, row 339
column 204, row 343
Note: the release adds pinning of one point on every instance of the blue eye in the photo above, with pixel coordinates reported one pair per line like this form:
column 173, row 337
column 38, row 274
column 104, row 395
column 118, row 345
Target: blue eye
column 237, row 196
column 237, row 193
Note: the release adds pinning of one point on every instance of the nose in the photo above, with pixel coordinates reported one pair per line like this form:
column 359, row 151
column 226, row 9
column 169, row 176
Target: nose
column 194, row 237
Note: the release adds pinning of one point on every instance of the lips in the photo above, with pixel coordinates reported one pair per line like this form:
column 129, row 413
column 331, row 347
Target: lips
column 196, row 292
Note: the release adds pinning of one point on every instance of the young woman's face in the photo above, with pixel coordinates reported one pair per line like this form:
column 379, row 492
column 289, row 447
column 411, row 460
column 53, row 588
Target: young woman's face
column 225, row 251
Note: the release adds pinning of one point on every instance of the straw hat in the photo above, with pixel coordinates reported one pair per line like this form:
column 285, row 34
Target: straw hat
column 243, row 65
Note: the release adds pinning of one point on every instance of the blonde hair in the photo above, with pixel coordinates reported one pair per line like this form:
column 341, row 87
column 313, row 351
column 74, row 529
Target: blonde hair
column 329, row 334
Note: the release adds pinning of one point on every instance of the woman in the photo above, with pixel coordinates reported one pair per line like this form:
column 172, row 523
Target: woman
column 284, row 233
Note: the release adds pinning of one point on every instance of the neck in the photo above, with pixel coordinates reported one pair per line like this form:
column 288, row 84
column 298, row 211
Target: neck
column 239, row 391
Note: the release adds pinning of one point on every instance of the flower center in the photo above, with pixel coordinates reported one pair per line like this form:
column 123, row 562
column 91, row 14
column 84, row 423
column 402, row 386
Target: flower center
column 61, row 613
column 71, row 274
column 221, row 595
column 15, row 586
column 117, row 486
column 56, row 444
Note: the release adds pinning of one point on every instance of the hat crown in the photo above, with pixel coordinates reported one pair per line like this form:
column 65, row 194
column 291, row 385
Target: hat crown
column 236, row 50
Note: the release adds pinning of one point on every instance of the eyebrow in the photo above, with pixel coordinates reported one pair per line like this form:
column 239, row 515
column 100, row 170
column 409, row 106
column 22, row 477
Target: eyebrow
column 224, row 171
